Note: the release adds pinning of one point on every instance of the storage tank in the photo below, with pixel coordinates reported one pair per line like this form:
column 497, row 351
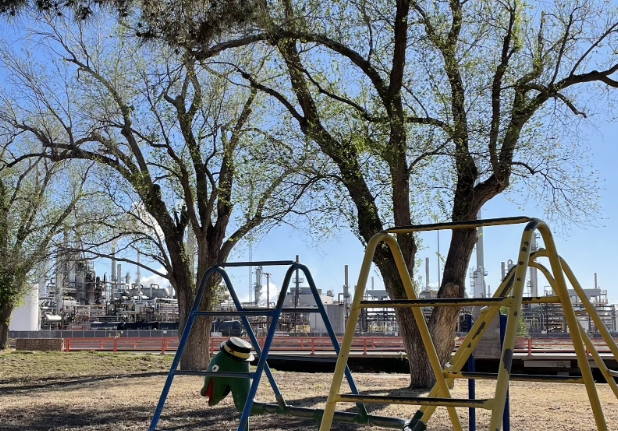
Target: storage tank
column 336, row 315
column 26, row 316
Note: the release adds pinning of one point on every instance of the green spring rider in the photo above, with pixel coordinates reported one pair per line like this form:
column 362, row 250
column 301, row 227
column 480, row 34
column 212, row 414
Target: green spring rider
column 235, row 356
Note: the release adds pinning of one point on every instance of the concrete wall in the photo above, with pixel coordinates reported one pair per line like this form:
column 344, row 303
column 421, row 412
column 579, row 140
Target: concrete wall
column 92, row 334
column 42, row 344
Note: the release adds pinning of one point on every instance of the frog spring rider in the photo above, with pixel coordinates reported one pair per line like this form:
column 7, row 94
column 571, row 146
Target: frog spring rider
column 235, row 356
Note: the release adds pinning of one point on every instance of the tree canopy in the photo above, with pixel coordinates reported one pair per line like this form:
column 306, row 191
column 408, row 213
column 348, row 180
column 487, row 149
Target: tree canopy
column 178, row 148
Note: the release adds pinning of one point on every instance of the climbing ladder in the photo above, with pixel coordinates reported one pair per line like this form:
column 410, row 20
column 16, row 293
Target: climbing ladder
column 510, row 295
column 281, row 407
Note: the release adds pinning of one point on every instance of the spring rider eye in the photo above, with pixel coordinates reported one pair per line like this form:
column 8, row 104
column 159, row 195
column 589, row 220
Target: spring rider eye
column 235, row 356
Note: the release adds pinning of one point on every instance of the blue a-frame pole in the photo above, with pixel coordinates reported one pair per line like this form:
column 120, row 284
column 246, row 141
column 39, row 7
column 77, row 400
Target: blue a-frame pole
column 262, row 365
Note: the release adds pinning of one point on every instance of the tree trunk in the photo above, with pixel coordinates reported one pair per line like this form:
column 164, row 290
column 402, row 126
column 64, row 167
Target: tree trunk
column 421, row 374
column 444, row 319
column 196, row 354
column 5, row 317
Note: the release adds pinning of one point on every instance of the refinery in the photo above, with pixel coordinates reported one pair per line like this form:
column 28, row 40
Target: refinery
column 75, row 298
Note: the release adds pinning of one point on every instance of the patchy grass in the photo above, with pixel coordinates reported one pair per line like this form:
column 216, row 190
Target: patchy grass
column 128, row 403
column 26, row 366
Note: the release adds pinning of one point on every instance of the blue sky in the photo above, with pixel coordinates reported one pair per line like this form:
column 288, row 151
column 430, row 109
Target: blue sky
column 587, row 249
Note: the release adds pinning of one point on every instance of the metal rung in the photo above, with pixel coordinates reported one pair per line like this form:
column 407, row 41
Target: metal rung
column 540, row 299
column 300, row 310
column 514, row 377
column 304, row 358
column 259, row 263
column 266, row 312
column 459, row 224
column 287, row 309
column 613, row 373
column 213, row 373
column 432, row 302
column 423, row 401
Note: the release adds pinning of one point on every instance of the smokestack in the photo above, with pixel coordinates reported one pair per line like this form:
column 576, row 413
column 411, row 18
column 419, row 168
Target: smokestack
column 118, row 275
column 503, row 270
column 346, row 288
column 258, row 284
column 114, row 261
column 427, row 273
column 595, row 280
column 139, row 277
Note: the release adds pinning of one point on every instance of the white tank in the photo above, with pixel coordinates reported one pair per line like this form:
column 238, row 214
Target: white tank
column 26, row 316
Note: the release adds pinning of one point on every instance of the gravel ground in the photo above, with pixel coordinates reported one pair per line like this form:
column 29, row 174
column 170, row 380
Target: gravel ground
column 126, row 403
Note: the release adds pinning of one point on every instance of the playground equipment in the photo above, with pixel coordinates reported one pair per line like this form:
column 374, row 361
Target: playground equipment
column 509, row 294
column 243, row 398
column 234, row 357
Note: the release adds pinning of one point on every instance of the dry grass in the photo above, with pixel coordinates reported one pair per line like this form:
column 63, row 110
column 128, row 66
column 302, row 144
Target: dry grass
column 40, row 366
column 127, row 403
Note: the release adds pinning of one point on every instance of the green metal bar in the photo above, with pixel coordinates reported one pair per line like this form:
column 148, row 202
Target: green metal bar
column 459, row 224
column 438, row 402
column 339, row 416
column 459, row 302
column 214, row 373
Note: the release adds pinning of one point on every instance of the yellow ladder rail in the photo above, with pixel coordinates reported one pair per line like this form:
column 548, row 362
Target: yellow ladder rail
column 510, row 295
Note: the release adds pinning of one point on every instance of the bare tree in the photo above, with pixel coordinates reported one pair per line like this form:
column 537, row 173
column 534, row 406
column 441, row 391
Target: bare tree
column 38, row 199
column 443, row 102
column 178, row 146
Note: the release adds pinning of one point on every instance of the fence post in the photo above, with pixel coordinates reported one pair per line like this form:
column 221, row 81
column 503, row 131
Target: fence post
column 312, row 345
column 115, row 344
column 529, row 346
column 365, row 346
column 212, row 346
column 163, row 345
column 68, row 345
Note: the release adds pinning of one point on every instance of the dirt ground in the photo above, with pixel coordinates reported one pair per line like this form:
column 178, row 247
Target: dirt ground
column 119, row 401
